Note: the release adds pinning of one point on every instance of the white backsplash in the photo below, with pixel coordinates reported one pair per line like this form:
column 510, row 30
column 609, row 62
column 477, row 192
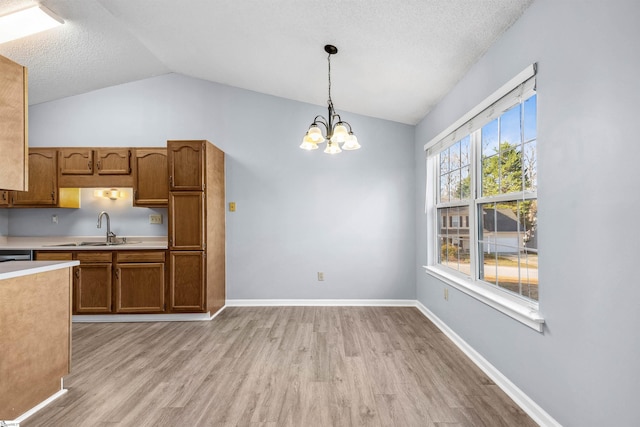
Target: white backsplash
column 125, row 219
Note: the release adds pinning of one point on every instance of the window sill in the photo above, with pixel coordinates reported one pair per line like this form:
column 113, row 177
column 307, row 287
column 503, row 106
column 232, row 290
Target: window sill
column 519, row 310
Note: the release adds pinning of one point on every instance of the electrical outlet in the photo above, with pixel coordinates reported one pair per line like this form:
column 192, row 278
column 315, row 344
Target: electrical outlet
column 54, row 219
column 320, row 276
column 232, row 206
column 155, row 219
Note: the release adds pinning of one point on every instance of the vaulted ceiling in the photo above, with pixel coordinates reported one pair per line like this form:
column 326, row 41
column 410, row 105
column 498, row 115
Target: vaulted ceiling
column 396, row 59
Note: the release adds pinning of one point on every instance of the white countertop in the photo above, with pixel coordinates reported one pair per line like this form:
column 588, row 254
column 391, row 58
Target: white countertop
column 62, row 243
column 12, row 269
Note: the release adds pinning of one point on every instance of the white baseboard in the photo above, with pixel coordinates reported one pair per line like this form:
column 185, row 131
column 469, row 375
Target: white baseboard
column 126, row 318
column 21, row 418
column 532, row 409
column 321, row 302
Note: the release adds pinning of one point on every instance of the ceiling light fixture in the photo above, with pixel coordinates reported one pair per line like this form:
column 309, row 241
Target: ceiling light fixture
column 335, row 128
column 26, row 22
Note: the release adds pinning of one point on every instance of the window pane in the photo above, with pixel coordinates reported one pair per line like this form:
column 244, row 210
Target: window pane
column 454, row 185
column 490, row 176
column 489, row 137
column 510, row 169
column 510, row 126
column 465, row 151
column 454, row 156
column 465, row 183
column 529, row 164
column 444, row 188
column 444, row 161
column 530, row 118
column 454, row 239
column 507, row 246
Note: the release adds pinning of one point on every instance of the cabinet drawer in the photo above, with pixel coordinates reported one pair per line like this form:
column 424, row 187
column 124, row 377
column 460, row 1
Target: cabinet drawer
column 54, row 256
column 146, row 256
column 105, row 256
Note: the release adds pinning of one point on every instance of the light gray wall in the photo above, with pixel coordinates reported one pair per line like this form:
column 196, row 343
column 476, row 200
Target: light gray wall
column 583, row 370
column 350, row 216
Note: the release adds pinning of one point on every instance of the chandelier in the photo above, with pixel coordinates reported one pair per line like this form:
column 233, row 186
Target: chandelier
column 336, row 134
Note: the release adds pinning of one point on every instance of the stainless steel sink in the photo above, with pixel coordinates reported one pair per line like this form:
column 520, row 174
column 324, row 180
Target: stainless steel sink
column 71, row 244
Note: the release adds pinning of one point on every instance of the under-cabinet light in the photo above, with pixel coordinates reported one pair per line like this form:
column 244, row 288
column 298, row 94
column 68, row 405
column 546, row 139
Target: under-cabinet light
column 26, row 22
column 112, row 194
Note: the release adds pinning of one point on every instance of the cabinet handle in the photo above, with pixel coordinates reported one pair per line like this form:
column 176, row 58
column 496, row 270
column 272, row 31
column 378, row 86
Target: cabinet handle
column 53, row 196
column 99, row 164
column 170, row 181
column 89, row 164
column 117, row 274
column 77, row 273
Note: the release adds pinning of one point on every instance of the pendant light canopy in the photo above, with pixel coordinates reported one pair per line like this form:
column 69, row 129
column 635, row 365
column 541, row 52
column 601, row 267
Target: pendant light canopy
column 337, row 132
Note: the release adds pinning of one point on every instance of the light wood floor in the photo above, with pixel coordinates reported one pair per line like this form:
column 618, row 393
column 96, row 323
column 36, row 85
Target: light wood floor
column 277, row 366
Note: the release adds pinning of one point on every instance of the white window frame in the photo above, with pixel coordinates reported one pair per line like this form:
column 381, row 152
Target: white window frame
column 524, row 310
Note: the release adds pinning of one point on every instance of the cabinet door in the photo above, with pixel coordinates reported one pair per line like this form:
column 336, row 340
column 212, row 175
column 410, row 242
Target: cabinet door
column 186, row 220
column 113, row 161
column 187, row 281
column 139, row 287
column 13, row 126
column 186, row 165
column 43, row 180
column 75, row 161
column 92, row 288
column 150, row 178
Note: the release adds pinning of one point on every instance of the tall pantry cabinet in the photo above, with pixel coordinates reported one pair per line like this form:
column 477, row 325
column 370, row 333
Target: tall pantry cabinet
column 196, row 226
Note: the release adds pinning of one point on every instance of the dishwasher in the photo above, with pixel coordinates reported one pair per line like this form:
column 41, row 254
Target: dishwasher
column 16, row 255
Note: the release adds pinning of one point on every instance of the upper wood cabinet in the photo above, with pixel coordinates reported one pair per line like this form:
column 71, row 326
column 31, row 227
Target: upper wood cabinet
column 150, row 177
column 43, row 187
column 14, row 166
column 113, row 161
column 186, row 165
column 75, row 161
column 85, row 167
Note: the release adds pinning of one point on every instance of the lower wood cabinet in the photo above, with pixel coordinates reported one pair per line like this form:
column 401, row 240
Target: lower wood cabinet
column 92, row 282
column 115, row 281
column 187, row 281
column 140, row 282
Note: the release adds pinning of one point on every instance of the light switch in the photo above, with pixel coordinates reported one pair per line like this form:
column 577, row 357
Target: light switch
column 232, row 206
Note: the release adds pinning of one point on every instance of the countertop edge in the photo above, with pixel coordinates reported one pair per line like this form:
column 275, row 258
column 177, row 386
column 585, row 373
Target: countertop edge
column 11, row 269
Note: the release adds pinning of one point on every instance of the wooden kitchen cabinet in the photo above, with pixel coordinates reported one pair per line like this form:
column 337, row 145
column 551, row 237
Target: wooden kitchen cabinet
column 140, row 282
column 196, row 227
column 14, row 164
column 186, row 220
column 75, row 161
column 43, row 181
column 87, row 167
column 186, row 165
column 113, row 161
column 150, row 177
column 92, row 283
column 187, row 281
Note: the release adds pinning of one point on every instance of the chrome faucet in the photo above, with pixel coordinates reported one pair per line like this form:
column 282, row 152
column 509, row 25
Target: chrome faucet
column 111, row 237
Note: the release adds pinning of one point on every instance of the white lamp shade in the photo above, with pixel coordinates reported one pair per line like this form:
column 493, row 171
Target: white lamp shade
column 340, row 133
column 351, row 142
column 308, row 143
column 315, row 134
column 332, row 148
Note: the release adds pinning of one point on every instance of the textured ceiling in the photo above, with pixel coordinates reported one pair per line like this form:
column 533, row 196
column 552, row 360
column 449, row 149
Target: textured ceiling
column 396, row 59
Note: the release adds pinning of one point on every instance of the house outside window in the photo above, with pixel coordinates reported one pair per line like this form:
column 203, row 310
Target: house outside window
column 482, row 199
